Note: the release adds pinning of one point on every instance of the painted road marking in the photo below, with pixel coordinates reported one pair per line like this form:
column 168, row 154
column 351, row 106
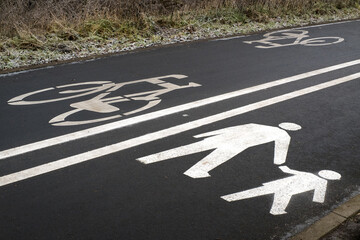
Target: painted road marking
column 297, row 28
column 226, row 143
column 86, row 156
column 329, row 24
column 299, row 37
column 284, row 189
column 102, row 103
column 165, row 112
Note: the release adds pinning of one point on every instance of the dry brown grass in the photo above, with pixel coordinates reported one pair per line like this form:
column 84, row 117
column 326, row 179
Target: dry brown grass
column 39, row 31
column 69, row 18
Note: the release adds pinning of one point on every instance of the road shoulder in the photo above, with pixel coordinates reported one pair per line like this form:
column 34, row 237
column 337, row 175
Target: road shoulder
column 331, row 221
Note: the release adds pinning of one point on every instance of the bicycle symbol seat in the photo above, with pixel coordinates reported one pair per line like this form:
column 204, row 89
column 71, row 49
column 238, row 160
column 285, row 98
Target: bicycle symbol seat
column 102, row 103
column 296, row 37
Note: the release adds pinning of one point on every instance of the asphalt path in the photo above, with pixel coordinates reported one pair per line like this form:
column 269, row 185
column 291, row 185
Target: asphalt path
column 88, row 167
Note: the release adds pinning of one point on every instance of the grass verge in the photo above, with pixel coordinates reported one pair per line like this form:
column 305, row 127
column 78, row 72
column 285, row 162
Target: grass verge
column 77, row 30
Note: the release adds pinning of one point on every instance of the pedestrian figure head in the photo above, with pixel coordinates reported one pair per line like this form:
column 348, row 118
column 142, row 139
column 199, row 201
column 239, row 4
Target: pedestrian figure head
column 290, row 126
column 329, row 175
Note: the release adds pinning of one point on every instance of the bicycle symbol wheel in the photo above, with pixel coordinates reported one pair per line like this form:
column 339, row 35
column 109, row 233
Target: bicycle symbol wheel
column 65, row 94
column 321, row 41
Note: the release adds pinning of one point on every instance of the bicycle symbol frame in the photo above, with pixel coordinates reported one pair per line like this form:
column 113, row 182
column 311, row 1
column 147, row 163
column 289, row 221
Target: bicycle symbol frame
column 300, row 37
column 101, row 103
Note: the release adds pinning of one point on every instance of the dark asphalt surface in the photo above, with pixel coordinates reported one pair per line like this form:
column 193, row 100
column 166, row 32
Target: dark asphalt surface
column 117, row 197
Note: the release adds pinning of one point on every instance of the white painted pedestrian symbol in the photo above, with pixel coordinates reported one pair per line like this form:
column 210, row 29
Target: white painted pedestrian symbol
column 284, row 189
column 292, row 37
column 227, row 143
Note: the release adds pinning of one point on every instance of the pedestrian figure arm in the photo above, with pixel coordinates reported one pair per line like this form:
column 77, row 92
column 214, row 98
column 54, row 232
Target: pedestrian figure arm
column 281, row 149
column 286, row 169
column 319, row 192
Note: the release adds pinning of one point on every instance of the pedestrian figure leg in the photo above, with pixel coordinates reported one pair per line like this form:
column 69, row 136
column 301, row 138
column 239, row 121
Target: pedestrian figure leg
column 255, row 192
column 280, row 203
column 176, row 152
column 211, row 161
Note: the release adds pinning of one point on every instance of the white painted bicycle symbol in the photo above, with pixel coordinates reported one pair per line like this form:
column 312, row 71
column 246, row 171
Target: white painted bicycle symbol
column 101, row 103
column 297, row 37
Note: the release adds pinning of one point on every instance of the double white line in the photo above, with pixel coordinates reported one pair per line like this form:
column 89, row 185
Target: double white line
column 65, row 162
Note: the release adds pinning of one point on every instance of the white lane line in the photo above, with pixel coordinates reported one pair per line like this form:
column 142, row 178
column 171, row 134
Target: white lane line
column 83, row 157
column 327, row 24
column 228, row 38
column 25, row 71
column 295, row 28
column 161, row 113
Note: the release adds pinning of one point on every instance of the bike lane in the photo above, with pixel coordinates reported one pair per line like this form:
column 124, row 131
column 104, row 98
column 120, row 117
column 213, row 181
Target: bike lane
column 133, row 178
column 219, row 67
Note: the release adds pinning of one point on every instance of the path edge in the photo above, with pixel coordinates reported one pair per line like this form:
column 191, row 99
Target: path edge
column 159, row 46
column 331, row 221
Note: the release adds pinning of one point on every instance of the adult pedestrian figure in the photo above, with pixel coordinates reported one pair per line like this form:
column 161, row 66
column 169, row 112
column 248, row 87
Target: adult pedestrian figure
column 227, row 143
